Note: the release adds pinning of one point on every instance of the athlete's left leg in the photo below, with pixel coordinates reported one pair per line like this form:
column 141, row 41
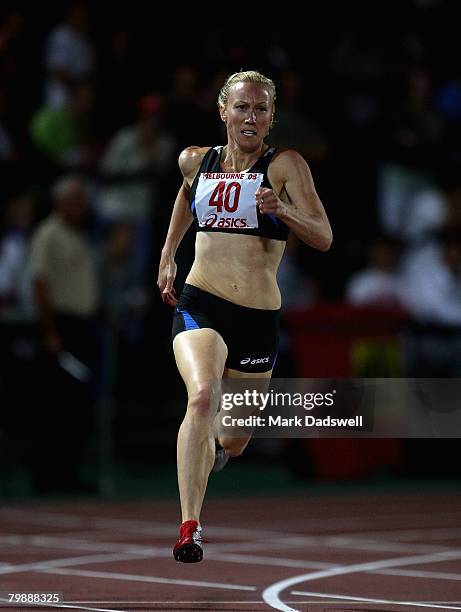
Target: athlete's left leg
column 235, row 444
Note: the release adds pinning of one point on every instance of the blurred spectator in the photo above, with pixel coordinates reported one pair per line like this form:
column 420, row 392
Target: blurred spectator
column 125, row 301
column 123, row 292
column 432, row 280
column 414, row 148
column 65, row 135
column 357, row 62
column 431, row 291
column 64, row 277
column 298, row 292
column 292, row 127
column 189, row 122
column 14, row 248
column 379, row 283
column 133, row 166
column 430, row 209
column 117, row 82
column 69, row 56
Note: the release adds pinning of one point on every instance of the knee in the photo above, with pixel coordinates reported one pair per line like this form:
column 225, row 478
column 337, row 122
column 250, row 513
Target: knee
column 201, row 402
column 234, row 447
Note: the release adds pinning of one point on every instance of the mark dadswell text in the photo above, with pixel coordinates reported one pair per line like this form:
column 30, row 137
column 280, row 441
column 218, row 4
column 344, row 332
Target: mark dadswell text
column 296, row 421
column 311, row 421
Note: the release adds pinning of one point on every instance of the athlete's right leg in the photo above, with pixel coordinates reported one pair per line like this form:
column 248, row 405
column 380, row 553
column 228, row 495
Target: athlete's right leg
column 200, row 356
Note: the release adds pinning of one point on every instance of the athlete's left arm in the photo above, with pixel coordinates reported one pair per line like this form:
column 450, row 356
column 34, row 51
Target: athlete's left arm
column 304, row 214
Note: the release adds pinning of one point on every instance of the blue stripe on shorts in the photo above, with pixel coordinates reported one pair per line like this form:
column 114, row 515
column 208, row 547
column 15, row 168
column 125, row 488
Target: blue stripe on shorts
column 189, row 322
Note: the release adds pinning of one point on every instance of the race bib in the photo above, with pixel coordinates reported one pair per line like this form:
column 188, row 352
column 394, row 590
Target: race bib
column 227, row 199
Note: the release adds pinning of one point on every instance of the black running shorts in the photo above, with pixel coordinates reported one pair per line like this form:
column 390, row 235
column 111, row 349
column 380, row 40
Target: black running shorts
column 251, row 334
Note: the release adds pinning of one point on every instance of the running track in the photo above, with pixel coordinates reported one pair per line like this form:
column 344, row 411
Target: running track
column 383, row 552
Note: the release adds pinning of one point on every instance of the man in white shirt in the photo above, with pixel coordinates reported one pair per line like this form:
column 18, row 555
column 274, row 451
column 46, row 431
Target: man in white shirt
column 65, row 287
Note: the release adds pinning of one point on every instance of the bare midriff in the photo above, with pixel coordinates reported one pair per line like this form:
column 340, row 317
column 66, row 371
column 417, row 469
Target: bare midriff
column 238, row 268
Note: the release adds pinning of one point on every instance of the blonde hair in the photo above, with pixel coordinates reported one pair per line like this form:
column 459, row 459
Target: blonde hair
column 248, row 76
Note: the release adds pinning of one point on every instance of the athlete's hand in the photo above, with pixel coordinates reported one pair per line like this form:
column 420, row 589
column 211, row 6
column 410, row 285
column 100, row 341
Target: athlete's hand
column 268, row 202
column 166, row 276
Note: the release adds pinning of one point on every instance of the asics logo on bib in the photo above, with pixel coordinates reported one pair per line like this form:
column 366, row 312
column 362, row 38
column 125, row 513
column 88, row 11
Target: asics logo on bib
column 254, row 361
column 212, row 221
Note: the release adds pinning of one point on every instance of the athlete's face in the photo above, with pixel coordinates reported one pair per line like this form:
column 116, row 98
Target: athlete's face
column 248, row 114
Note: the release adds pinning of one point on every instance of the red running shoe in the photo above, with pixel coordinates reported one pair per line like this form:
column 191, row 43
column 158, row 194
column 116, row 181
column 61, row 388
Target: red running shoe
column 188, row 549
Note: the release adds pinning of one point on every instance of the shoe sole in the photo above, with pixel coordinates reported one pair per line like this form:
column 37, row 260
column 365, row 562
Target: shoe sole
column 189, row 553
column 220, row 461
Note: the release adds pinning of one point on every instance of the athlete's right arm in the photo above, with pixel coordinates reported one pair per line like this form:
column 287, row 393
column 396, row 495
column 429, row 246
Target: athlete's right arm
column 181, row 219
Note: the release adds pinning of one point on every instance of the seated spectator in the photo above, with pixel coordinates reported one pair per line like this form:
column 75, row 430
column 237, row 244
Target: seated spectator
column 378, row 283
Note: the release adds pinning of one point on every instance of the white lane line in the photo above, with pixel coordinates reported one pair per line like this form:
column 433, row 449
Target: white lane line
column 442, row 533
column 346, row 598
column 59, row 606
column 215, row 552
column 291, row 539
column 420, row 574
column 407, row 535
column 35, row 517
column 64, row 519
column 286, row 562
column 141, row 578
column 87, row 559
column 78, row 544
column 223, row 602
column 246, row 602
column 271, row 593
column 439, row 533
column 129, row 525
column 68, row 606
column 273, row 561
column 357, row 543
column 288, row 541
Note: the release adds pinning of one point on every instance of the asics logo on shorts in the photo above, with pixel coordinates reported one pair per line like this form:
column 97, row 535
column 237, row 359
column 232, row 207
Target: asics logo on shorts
column 254, row 361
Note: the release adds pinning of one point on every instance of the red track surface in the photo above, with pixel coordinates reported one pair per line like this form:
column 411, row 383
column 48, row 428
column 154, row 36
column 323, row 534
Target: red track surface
column 331, row 553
